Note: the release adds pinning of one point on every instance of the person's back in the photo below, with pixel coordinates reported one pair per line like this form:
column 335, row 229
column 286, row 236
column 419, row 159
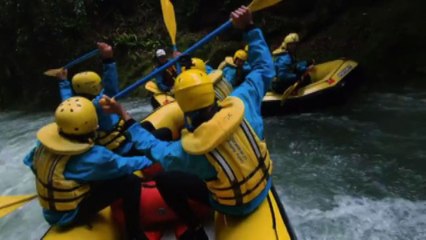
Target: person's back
column 75, row 178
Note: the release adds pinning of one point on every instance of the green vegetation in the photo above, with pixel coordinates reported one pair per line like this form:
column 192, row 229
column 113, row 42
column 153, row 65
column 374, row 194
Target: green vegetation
column 384, row 36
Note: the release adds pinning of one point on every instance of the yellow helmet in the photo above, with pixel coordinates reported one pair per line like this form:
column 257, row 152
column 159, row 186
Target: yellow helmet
column 241, row 54
column 197, row 63
column 87, row 83
column 75, row 116
column 290, row 38
column 194, row 90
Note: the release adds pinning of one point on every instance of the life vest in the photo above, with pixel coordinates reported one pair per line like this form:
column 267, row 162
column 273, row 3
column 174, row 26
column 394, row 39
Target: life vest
column 169, row 76
column 241, row 160
column 112, row 139
column 54, row 191
column 222, row 89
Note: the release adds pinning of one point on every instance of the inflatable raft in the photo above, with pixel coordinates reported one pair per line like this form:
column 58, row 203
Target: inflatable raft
column 269, row 221
column 158, row 97
column 155, row 215
column 330, row 82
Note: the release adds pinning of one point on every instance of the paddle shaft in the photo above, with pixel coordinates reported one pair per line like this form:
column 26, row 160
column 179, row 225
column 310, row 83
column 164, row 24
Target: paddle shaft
column 82, row 58
column 27, row 199
column 194, row 47
column 255, row 5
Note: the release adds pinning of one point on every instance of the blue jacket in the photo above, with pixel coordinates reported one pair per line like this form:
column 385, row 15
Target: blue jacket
column 97, row 164
column 164, row 84
column 288, row 70
column 172, row 155
column 209, row 69
column 107, row 122
column 230, row 73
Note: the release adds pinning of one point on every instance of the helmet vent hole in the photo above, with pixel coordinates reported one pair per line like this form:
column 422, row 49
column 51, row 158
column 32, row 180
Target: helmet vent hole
column 78, row 105
column 86, row 122
column 62, row 110
column 76, row 129
column 71, row 110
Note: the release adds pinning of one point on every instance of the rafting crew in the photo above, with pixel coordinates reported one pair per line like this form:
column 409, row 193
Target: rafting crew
column 76, row 178
column 89, row 84
column 221, row 159
column 288, row 69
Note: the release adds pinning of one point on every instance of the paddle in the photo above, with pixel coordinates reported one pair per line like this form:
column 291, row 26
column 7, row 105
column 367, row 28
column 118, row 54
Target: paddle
column 170, row 22
column 288, row 92
column 169, row 19
column 55, row 71
column 255, row 5
column 8, row 204
column 292, row 88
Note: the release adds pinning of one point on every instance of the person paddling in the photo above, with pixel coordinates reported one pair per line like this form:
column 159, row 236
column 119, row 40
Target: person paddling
column 222, row 159
column 89, row 84
column 288, row 69
column 166, row 79
column 75, row 178
column 235, row 68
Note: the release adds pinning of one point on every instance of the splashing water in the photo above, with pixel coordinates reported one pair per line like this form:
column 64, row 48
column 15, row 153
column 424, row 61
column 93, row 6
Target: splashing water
column 355, row 172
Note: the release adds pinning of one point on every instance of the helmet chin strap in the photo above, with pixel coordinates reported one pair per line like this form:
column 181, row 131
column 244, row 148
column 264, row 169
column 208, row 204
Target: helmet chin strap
column 86, row 138
column 195, row 118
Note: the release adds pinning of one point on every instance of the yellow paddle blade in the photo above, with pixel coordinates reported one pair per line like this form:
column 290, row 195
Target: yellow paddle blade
column 288, row 92
column 152, row 87
column 9, row 204
column 169, row 18
column 257, row 5
column 53, row 72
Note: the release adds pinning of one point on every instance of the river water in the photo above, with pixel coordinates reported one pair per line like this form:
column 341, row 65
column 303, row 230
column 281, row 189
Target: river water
column 353, row 172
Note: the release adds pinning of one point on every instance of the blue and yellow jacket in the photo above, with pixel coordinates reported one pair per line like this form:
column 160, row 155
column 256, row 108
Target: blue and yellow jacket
column 97, row 164
column 288, row 70
column 172, row 155
column 165, row 80
column 107, row 122
column 230, row 73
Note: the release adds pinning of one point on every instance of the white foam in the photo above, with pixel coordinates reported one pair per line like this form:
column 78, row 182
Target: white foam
column 362, row 218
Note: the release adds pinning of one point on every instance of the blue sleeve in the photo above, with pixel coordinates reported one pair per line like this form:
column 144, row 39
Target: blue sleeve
column 246, row 68
column 28, row 159
column 170, row 155
column 230, row 75
column 110, row 79
column 256, row 83
column 209, row 69
column 283, row 67
column 302, row 66
column 160, row 83
column 65, row 89
column 99, row 163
